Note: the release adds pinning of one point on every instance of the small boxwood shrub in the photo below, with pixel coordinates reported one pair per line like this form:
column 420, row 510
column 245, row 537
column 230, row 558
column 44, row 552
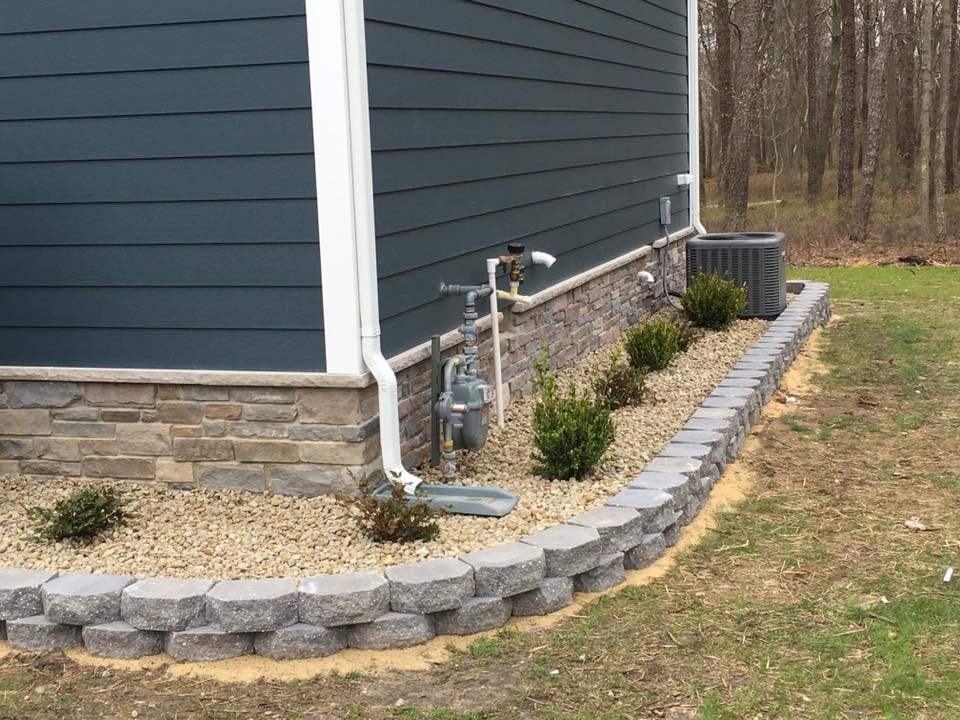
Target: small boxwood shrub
column 571, row 431
column 619, row 384
column 398, row 519
column 714, row 302
column 652, row 344
column 83, row 516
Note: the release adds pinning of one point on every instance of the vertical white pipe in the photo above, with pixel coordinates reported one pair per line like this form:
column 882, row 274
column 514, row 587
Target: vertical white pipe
column 495, row 329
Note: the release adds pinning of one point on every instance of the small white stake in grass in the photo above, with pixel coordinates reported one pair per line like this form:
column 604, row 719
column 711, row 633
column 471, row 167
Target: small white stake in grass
column 948, row 575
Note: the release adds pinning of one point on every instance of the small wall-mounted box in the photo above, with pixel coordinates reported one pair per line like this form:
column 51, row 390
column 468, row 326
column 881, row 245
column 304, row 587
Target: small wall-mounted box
column 685, row 179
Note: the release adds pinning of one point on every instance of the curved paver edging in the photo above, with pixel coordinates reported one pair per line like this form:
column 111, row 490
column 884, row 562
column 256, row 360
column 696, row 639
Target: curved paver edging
column 284, row 618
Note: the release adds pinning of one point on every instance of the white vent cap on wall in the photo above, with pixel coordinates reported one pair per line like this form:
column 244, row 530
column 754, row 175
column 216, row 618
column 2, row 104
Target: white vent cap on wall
column 685, row 179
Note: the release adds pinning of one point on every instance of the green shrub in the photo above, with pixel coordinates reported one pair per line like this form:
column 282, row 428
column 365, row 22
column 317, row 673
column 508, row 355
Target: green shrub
column 711, row 301
column 82, row 516
column 571, row 432
column 653, row 343
column 619, row 384
column 398, row 519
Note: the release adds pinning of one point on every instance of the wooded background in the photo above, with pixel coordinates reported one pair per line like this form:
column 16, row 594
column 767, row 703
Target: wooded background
column 847, row 101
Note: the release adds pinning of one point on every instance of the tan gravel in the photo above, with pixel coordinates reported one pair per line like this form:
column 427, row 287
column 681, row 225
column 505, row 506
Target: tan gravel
column 221, row 535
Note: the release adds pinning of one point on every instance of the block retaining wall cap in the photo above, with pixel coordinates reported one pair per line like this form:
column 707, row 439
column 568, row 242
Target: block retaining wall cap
column 20, row 594
column 619, row 528
column 569, row 549
column 198, row 620
column 429, row 586
column 84, row 598
column 507, row 569
column 238, row 606
column 344, row 599
column 165, row 604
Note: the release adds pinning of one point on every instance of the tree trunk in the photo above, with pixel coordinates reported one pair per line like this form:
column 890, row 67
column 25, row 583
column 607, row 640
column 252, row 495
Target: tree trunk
column 725, row 99
column 829, row 105
column 866, row 53
column 873, row 133
column 741, row 143
column 939, row 150
column 814, row 174
column 848, row 98
column 907, row 126
column 953, row 110
column 926, row 100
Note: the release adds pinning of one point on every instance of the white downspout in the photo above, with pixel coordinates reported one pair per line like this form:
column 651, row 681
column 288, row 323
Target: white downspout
column 693, row 112
column 366, row 247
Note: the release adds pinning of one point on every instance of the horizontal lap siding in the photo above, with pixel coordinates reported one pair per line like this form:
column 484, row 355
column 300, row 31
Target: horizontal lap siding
column 556, row 123
column 157, row 191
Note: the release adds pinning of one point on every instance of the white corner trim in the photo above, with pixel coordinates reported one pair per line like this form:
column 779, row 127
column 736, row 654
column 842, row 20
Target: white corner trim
column 334, row 146
column 693, row 111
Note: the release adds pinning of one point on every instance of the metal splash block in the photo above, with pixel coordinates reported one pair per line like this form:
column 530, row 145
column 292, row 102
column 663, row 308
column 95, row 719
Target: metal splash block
column 461, row 499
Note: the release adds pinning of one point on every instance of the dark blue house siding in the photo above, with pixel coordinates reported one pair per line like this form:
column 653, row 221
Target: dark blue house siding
column 557, row 123
column 157, row 191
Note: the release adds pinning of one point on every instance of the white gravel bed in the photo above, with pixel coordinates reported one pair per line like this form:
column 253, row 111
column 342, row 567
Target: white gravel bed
column 222, row 535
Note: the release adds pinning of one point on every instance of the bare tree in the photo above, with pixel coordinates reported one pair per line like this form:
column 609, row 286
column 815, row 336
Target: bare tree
column 953, row 109
column 814, row 174
column 940, row 145
column 926, row 101
column 737, row 158
column 873, row 134
column 848, row 98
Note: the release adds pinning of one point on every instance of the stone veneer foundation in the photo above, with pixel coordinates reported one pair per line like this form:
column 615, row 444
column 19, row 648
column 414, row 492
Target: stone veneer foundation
column 283, row 436
column 286, row 618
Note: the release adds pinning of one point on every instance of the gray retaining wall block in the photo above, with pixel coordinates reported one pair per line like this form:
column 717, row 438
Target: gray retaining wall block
column 692, row 450
column 207, row 644
column 655, row 507
column 39, row 634
column 604, row 576
column 84, row 598
column 699, row 437
column 646, row 553
column 121, row 640
column 242, row 606
column 722, row 427
column 3, row 630
column 619, row 528
column 685, row 466
column 343, row 599
column 507, row 569
column 692, row 509
column 569, row 549
column 300, row 641
column 429, row 586
column 740, row 382
column 392, row 630
column 674, row 484
column 734, row 392
column 476, row 615
column 20, row 592
column 165, row 604
column 671, row 534
column 554, row 593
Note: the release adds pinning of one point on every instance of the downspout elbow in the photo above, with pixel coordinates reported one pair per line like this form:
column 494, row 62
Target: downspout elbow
column 389, row 412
